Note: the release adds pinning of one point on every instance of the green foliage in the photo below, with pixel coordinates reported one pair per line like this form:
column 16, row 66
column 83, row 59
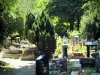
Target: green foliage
column 62, row 27
column 25, row 15
column 14, row 25
column 29, row 20
column 58, row 49
column 14, row 34
column 46, row 33
column 74, row 33
column 66, row 9
column 6, row 4
column 90, row 20
column 59, row 46
column 31, row 36
column 40, row 5
column 40, row 31
column 70, row 67
column 88, row 71
column 83, row 48
column 19, row 9
column 54, row 20
column 42, row 26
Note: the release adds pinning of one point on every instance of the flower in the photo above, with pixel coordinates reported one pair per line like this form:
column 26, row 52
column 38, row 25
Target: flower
column 5, row 22
column 61, row 61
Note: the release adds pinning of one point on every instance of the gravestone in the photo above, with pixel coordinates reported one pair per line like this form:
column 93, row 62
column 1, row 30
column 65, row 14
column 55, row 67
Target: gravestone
column 77, row 67
column 95, row 73
column 42, row 64
column 74, row 73
column 89, row 44
column 64, row 49
column 18, row 39
column 98, row 61
column 87, row 62
column 65, row 55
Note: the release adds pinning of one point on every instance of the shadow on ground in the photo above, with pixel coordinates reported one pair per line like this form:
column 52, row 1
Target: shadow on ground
column 26, row 70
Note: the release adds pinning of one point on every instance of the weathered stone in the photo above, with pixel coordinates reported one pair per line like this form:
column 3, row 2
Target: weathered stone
column 74, row 73
column 14, row 56
column 28, row 57
column 87, row 62
column 95, row 73
column 13, row 52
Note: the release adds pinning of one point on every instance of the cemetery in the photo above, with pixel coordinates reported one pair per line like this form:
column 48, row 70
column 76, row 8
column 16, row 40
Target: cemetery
column 69, row 63
column 49, row 37
column 77, row 66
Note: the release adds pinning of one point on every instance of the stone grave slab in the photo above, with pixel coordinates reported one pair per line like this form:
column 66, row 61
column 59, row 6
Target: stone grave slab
column 74, row 73
column 95, row 73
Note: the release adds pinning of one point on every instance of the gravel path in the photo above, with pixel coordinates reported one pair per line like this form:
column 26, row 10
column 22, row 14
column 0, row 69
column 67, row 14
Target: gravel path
column 18, row 67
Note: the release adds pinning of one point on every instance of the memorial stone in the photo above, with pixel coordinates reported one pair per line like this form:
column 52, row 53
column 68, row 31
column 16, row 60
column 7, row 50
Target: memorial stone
column 42, row 64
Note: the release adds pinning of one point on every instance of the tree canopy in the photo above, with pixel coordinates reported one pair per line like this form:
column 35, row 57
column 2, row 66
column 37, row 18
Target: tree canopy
column 64, row 15
column 90, row 21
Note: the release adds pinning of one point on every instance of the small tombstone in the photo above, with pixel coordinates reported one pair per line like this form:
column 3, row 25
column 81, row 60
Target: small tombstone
column 95, row 73
column 98, row 61
column 65, row 55
column 87, row 62
column 98, row 46
column 89, row 44
column 74, row 73
column 42, row 65
column 17, row 39
column 64, row 49
column 9, row 40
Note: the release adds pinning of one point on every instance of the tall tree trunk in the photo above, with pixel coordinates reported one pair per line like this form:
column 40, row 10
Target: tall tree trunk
column 71, row 20
column 71, row 24
column 78, row 22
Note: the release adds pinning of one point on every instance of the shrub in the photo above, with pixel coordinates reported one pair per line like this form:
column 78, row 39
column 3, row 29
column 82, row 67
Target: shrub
column 31, row 36
column 14, row 34
column 88, row 71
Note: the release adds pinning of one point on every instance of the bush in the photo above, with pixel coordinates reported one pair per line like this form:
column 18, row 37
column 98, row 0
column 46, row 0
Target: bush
column 15, row 34
column 31, row 36
column 88, row 71
column 47, row 43
column 41, row 41
column 50, row 44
